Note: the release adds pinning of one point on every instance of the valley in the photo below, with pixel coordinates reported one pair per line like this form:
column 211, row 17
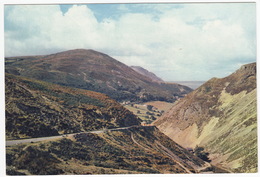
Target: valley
column 148, row 111
column 83, row 112
column 55, row 129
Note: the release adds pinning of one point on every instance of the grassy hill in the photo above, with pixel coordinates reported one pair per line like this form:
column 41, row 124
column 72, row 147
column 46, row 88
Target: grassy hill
column 221, row 116
column 36, row 109
column 92, row 70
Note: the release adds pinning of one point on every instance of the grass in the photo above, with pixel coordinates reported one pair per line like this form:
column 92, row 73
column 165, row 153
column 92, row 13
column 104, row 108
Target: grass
column 148, row 116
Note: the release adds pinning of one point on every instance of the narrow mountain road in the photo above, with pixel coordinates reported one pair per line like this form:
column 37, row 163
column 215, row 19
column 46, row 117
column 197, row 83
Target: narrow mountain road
column 32, row 140
column 132, row 137
column 205, row 168
column 174, row 157
column 166, row 151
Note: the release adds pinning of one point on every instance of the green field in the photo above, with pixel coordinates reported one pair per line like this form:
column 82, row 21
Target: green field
column 149, row 115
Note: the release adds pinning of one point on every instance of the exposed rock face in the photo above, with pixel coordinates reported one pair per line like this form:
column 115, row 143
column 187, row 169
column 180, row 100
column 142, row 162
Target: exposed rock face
column 221, row 116
column 92, row 70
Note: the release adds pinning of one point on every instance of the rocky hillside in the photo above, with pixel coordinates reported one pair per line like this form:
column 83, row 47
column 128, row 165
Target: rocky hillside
column 91, row 70
column 137, row 150
column 147, row 73
column 37, row 109
column 221, row 116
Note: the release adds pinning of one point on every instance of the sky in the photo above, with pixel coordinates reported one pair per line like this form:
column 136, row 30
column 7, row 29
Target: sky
column 176, row 41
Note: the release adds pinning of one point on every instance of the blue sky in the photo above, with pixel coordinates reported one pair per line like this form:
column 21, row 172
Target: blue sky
column 191, row 41
column 115, row 11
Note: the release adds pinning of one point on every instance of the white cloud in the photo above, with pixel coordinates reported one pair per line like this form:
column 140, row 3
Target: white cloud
column 191, row 42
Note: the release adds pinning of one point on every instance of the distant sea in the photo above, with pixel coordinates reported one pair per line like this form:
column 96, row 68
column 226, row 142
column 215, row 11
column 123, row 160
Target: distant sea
column 191, row 84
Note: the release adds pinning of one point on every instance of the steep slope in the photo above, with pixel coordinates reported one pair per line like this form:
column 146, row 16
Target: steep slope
column 221, row 116
column 147, row 73
column 91, row 70
column 135, row 150
column 37, row 109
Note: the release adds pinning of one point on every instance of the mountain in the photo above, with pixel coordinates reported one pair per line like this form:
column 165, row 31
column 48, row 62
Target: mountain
column 136, row 150
column 92, row 70
column 221, row 116
column 192, row 84
column 147, row 73
column 37, row 109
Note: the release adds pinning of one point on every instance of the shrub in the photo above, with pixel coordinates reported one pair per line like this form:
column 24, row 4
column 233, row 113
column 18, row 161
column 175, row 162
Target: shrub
column 199, row 152
column 150, row 107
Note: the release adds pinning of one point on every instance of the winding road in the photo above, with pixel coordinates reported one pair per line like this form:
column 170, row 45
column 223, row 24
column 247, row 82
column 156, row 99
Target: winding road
column 165, row 150
column 32, row 140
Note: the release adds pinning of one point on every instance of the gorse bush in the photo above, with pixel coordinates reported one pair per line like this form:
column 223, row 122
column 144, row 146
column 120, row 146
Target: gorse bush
column 199, row 152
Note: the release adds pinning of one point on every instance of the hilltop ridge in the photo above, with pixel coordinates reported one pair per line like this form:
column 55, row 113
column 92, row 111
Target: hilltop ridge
column 92, row 70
